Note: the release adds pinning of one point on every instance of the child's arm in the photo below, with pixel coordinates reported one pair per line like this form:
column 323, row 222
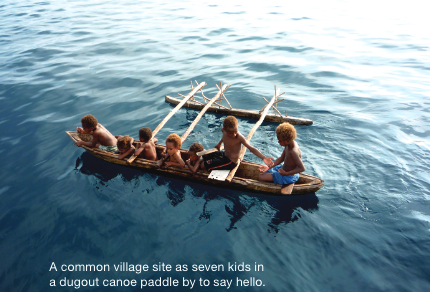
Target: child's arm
column 179, row 162
column 300, row 167
column 91, row 144
column 196, row 165
column 163, row 153
column 127, row 153
column 265, row 168
column 139, row 149
column 256, row 152
column 218, row 146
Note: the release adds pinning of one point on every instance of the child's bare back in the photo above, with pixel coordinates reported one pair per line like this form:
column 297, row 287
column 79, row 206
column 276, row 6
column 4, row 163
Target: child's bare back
column 146, row 149
column 101, row 136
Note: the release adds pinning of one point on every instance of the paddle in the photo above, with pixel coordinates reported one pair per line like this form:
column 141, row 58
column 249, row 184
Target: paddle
column 287, row 189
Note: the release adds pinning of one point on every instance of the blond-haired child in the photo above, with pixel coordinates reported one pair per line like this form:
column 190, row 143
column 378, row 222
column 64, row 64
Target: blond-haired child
column 125, row 146
column 173, row 146
column 289, row 172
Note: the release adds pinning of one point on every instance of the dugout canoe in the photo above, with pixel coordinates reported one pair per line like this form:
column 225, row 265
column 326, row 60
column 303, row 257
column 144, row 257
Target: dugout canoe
column 246, row 177
column 270, row 117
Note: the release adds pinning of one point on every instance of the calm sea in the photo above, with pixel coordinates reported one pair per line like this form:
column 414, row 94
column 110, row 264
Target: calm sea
column 358, row 69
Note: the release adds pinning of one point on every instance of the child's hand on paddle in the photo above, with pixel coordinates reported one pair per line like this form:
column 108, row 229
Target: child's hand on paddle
column 268, row 161
column 79, row 130
column 264, row 168
column 79, row 143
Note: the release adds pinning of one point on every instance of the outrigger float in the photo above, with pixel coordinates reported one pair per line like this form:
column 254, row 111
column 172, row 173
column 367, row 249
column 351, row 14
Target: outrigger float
column 217, row 107
column 244, row 176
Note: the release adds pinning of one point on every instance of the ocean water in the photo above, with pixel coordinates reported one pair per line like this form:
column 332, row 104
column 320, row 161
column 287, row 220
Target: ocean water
column 359, row 69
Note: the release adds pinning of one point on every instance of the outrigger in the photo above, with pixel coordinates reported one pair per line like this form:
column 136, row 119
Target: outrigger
column 244, row 176
column 218, row 108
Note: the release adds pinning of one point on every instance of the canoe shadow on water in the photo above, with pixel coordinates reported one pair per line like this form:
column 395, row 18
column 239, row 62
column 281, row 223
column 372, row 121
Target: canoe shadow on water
column 281, row 210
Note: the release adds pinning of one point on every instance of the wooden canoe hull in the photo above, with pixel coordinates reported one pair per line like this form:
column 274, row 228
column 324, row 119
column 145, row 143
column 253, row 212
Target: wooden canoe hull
column 246, row 176
column 270, row 117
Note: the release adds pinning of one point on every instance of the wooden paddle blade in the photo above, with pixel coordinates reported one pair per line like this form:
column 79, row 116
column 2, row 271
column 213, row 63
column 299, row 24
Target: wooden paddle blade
column 287, row 189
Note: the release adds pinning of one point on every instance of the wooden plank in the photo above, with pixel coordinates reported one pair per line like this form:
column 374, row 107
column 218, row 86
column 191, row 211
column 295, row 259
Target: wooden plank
column 243, row 150
column 201, row 153
column 287, row 189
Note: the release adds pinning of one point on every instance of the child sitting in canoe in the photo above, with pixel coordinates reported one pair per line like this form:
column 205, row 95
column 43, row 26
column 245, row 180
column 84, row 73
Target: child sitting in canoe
column 194, row 161
column 173, row 145
column 102, row 138
column 125, row 146
column 146, row 149
column 291, row 157
column 233, row 141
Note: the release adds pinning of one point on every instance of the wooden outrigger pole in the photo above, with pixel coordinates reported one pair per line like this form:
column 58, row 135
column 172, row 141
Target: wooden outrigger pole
column 197, row 119
column 172, row 112
column 243, row 150
column 202, row 112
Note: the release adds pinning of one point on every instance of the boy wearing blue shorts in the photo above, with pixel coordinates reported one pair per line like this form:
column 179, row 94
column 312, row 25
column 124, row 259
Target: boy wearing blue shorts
column 291, row 157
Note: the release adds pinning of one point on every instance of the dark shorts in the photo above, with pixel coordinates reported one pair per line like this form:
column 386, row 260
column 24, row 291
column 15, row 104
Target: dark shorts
column 217, row 161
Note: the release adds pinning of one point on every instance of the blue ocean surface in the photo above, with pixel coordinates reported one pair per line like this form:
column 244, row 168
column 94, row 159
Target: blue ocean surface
column 359, row 69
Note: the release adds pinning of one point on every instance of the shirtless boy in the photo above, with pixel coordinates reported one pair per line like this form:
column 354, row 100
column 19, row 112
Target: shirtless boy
column 147, row 148
column 102, row 138
column 194, row 161
column 173, row 144
column 233, row 141
column 291, row 157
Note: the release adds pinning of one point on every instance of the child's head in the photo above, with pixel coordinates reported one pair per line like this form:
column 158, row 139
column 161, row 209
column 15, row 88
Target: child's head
column 89, row 123
column 194, row 148
column 145, row 134
column 124, row 143
column 286, row 133
column 173, row 144
column 230, row 125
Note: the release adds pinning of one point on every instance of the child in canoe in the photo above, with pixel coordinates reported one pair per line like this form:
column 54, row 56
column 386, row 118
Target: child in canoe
column 146, row 149
column 233, row 141
column 194, row 161
column 173, row 146
column 102, row 138
column 291, row 157
column 125, row 146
